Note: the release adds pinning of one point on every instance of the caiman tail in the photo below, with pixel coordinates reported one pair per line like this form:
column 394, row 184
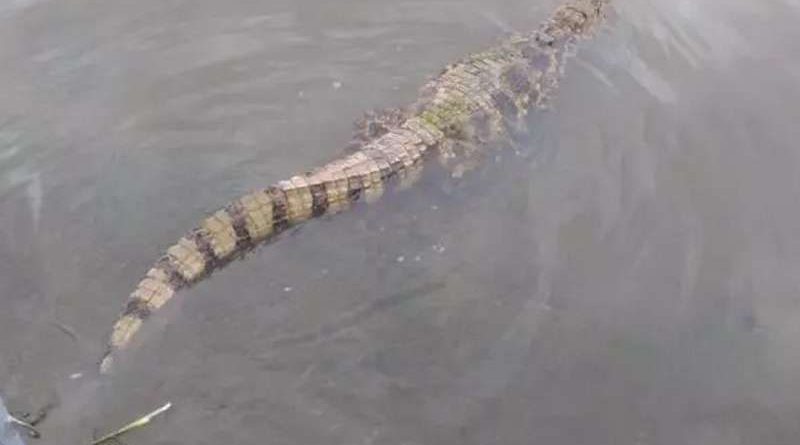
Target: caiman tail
column 261, row 215
column 469, row 104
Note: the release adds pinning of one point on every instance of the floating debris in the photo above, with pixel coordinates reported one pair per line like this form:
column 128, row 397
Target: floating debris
column 336, row 85
column 8, row 434
column 32, row 431
column 401, row 258
column 142, row 421
column 65, row 329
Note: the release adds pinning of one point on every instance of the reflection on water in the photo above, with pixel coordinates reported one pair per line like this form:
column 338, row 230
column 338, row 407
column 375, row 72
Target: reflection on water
column 628, row 276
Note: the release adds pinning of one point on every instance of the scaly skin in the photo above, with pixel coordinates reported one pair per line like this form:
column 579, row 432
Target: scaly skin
column 470, row 105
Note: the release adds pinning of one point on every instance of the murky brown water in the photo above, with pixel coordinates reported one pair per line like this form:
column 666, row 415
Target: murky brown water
column 631, row 276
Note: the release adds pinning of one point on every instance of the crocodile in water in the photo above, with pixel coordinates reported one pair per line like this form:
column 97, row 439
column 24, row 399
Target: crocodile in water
column 472, row 104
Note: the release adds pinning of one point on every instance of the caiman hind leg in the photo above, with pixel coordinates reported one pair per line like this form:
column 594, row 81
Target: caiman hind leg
column 374, row 124
column 467, row 145
column 464, row 147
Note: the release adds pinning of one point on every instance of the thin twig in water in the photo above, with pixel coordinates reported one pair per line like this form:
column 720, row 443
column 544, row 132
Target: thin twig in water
column 31, row 429
column 142, row 421
column 65, row 329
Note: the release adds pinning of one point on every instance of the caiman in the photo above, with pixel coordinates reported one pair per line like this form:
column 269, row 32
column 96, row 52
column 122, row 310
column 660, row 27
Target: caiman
column 472, row 104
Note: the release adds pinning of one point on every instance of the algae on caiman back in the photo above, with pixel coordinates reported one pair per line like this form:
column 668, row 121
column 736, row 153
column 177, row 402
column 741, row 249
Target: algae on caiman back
column 472, row 105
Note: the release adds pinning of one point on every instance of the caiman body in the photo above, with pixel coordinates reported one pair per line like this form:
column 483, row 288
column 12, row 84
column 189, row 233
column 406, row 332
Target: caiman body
column 472, row 104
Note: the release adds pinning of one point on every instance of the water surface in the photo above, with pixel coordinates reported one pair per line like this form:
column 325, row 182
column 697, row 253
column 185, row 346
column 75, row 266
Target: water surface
column 627, row 276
